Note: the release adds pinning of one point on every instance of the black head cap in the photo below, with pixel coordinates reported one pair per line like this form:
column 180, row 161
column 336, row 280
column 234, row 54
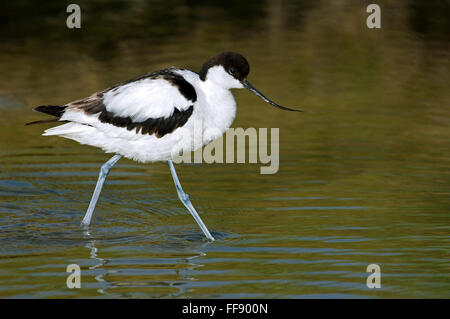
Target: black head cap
column 234, row 63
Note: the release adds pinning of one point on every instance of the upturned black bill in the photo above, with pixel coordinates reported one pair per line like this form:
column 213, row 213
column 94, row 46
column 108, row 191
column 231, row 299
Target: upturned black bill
column 247, row 84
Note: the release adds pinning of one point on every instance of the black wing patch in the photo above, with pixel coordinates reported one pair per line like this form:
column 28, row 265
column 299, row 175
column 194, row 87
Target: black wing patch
column 159, row 126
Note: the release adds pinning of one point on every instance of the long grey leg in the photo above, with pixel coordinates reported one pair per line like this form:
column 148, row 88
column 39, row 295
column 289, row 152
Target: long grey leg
column 98, row 188
column 186, row 201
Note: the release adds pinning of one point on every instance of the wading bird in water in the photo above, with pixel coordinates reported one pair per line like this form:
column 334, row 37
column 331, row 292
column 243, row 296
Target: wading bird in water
column 143, row 119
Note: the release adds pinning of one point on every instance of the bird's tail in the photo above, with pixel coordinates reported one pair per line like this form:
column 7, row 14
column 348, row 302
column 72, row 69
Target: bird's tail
column 67, row 130
column 55, row 110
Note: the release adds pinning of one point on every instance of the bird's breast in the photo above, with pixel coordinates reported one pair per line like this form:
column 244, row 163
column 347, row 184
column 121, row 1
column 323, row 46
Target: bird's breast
column 217, row 108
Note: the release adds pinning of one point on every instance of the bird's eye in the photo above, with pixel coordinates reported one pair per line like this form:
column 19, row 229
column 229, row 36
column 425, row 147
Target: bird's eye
column 233, row 71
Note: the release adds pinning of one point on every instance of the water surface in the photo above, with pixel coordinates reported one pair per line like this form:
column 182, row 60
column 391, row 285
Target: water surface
column 364, row 173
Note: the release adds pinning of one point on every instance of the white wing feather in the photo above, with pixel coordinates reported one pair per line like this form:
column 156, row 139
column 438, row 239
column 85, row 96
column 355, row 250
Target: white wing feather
column 139, row 100
column 144, row 99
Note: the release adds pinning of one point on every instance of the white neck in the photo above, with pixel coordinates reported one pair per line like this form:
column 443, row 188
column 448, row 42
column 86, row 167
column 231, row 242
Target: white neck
column 220, row 105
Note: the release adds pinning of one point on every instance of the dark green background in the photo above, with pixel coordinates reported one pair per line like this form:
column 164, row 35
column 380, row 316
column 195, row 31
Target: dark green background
column 364, row 172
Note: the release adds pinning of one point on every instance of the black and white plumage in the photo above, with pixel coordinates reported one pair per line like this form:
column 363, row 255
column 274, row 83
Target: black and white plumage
column 136, row 119
column 152, row 117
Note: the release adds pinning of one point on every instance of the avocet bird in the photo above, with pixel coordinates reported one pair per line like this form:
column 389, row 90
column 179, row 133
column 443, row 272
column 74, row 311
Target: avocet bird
column 145, row 118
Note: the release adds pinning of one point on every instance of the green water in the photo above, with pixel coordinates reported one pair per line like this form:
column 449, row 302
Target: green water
column 364, row 173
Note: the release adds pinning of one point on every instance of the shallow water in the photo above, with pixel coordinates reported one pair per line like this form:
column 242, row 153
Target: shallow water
column 364, row 173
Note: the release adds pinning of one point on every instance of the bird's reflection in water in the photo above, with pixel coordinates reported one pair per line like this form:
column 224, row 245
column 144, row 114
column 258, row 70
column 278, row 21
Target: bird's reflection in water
column 94, row 256
column 183, row 274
